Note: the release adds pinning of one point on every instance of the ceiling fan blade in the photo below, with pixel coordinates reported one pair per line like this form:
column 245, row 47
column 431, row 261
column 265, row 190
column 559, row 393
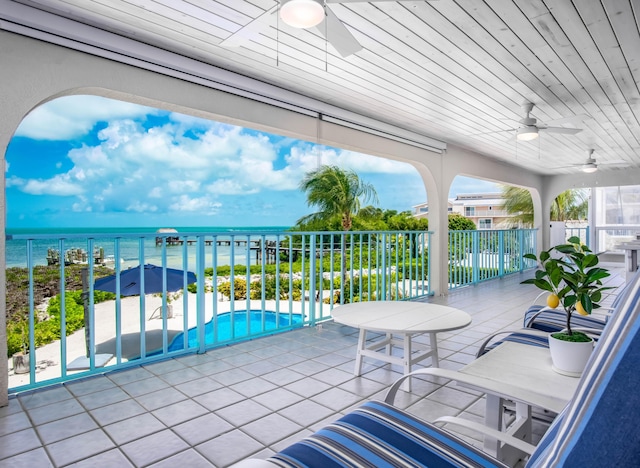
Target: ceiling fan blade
column 493, row 132
column 574, row 119
column 338, row 35
column 369, row 1
column 249, row 31
column 617, row 162
column 567, row 131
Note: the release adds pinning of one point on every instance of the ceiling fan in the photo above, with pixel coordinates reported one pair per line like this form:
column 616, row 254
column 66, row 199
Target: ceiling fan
column 530, row 129
column 305, row 14
column 590, row 165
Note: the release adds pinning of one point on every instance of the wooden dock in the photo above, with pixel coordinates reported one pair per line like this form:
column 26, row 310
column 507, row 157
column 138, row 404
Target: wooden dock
column 180, row 241
column 271, row 249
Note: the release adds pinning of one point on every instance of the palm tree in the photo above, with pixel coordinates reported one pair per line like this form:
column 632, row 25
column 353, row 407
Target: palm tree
column 518, row 204
column 337, row 193
column 570, row 204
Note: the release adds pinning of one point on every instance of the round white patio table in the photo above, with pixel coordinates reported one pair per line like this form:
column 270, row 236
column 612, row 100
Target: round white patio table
column 403, row 318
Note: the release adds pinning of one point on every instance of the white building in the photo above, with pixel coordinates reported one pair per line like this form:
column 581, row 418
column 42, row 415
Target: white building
column 486, row 210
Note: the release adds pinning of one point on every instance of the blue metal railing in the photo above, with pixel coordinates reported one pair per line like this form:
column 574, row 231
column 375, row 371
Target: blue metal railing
column 249, row 284
column 481, row 255
column 288, row 279
column 580, row 232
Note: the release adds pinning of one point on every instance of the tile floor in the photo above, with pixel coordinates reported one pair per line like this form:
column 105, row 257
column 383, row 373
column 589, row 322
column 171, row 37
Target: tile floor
column 246, row 400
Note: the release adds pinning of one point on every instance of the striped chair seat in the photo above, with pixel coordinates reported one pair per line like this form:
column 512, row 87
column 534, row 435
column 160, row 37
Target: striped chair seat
column 553, row 320
column 378, row 435
column 517, row 337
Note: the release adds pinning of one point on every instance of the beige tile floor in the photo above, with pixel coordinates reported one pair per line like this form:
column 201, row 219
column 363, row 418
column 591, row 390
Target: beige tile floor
column 246, row 400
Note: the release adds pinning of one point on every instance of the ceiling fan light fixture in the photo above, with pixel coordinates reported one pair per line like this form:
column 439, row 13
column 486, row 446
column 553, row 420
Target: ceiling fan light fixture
column 589, row 168
column 302, row 13
column 528, row 133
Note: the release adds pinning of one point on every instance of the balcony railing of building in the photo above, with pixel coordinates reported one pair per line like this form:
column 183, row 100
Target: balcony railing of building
column 481, row 255
column 581, row 233
column 248, row 284
column 487, row 213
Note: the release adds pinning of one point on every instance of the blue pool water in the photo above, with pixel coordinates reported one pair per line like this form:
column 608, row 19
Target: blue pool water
column 272, row 321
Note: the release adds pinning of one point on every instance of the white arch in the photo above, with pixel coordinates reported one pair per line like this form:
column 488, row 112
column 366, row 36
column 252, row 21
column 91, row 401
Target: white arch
column 34, row 72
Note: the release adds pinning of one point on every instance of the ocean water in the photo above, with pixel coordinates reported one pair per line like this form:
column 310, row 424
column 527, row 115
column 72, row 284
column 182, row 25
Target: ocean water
column 42, row 240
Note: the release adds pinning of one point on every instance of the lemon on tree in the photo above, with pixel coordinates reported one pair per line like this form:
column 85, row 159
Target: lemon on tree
column 580, row 309
column 553, row 301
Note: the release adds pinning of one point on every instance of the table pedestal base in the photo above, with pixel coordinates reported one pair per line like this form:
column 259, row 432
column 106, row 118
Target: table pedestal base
column 382, row 350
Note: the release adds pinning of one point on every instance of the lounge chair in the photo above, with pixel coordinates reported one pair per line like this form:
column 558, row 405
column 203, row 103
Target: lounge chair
column 598, row 427
column 543, row 318
column 540, row 320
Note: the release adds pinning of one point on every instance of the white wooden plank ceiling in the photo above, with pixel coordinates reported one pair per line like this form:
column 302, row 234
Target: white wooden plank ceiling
column 455, row 70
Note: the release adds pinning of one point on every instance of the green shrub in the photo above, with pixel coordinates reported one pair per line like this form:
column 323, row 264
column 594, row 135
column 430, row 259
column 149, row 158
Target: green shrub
column 49, row 330
column 239, row 289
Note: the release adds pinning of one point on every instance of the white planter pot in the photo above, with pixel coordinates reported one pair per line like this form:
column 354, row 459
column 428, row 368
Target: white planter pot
column 568, row 357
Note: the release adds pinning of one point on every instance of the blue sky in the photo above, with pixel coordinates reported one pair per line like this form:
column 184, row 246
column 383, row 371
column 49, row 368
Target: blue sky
column 87, row 161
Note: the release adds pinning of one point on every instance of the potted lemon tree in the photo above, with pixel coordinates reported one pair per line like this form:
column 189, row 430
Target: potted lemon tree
column 571, row 274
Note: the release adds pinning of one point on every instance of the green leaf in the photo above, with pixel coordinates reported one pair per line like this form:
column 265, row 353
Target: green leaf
column 589, row 261
column 566, row 249
column 574, row 240
column 544, row 285
column 555, row 276
column 596, row 274
column 530, row 256
column 570, row 300
column 540, row 274
column 544, row 256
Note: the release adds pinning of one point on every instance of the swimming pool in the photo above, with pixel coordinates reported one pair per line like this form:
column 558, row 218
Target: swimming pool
column 272, row 321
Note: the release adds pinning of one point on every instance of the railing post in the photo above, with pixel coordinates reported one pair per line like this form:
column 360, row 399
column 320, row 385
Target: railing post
column 475, row 255
column 312, row 280
column 586, row 235
column 63, row 315
column 500, row 253
column 32, row 343
column 429, row 289
column 383, row 284
column 142, row 314
column 521, row 249
column 200, row 304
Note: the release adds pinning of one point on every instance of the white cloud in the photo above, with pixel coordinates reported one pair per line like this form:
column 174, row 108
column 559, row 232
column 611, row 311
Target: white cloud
column 71, row 117
column 59, row 186
column 202, row 205
column 183, row 164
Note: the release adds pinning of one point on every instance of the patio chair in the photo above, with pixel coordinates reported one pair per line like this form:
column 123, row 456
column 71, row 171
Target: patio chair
column 540, row 320
column 541, row 317
column 598, row 427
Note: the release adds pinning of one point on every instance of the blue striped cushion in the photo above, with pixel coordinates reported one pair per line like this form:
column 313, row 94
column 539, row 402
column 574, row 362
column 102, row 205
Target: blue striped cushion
column 378, row 435
column 553, row 320
column 599, row 426
column 524, row 338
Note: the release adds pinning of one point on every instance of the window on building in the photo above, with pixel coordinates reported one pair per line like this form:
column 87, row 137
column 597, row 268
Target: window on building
column 469, row 210
column 484, row 223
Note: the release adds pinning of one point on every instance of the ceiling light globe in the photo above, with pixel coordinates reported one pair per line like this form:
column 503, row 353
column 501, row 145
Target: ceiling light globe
column 302, row 13
column 527, row 133
column 589, row 168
